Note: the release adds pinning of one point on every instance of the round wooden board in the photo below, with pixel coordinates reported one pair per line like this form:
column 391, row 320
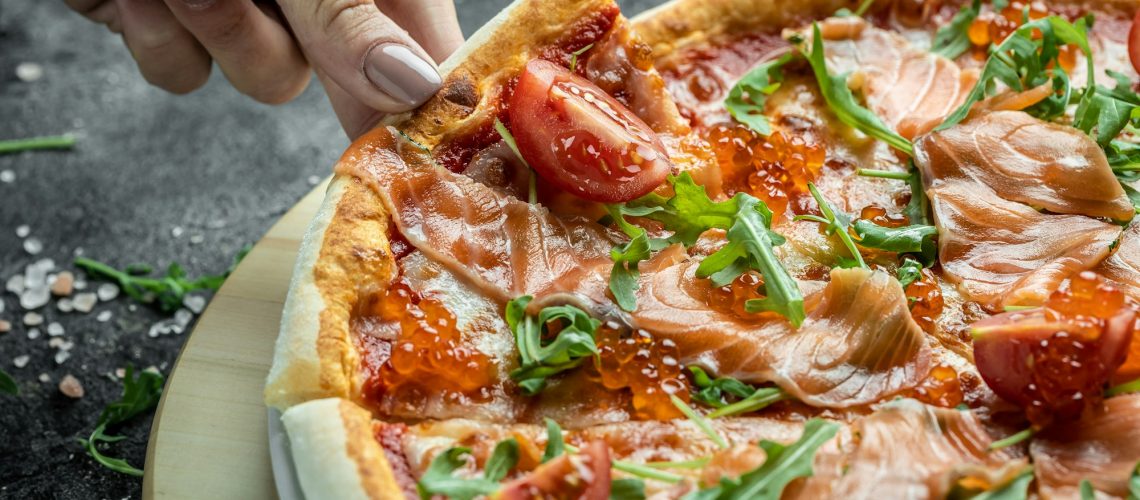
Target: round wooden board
column 209, row 438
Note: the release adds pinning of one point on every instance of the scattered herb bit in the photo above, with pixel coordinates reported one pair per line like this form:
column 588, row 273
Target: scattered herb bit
column 695, row 463
column 1016, row 489
column 574, row 56
column 1018, row 308
column 539, row 359
column 624, row 275
column 914, row 239
column 1012, row 439
column 841, row 101
column 166, row 292
column 1022, row 62
column 140, row 394
column 639, row 470
column 859, row 11
column 835, row 222
column 714, row 392
column 745, row 102
column 883, row 174
column 627, row 488
column 532, row 195
column 555, row 446
column 65, row 141
column 1125, row 388
column 8, row 384
column 909, row 271
column 953, row 39
column 701, row 422
column 1108, row 111
column 689, row 212
column 1087, row 490
column 439, row 479
column 918, row 209
column 1134, row 483
column 408, row 138
column 782, row 465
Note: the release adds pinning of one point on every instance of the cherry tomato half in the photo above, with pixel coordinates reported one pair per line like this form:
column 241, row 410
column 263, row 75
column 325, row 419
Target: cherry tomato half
column 1134, row 42
column 582, row 140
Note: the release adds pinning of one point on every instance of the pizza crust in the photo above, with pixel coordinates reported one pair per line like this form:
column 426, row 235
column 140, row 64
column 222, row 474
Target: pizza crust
column 335, row 452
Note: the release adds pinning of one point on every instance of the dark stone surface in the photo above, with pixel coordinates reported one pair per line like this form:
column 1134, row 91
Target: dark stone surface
column 154, row 178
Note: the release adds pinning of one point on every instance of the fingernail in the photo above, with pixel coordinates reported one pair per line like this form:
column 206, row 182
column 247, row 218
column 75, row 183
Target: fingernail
column 401, row 73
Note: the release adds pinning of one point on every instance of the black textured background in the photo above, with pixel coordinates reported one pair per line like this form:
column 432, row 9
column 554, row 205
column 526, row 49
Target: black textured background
column 154, row 178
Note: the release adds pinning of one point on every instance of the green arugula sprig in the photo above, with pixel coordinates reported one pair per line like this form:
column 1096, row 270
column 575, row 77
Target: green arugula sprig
column 555, row 446
column 539, row 359
column 140, row 394
column 835, row 222
column 1107, row 111
column 700, row 421
column 842, row 102
column 1086, row 490
column 439, row 479
column 166, row 292
column 745, row 101
column 532, row 188
column 918, row 208
column 714, row 392
column 574, row 56
column 782, row 465
column 953, row 39
column 554, row 439
column 1125, row 388
column 1022, row 62
column 859, row 11
column 8, row 384
column 1012, row 439
column 1015, row 489
column 916, row 239
column 1134, row 483
column 65, row 141
column 909, row 271
column 627, row 488
column 689, row 213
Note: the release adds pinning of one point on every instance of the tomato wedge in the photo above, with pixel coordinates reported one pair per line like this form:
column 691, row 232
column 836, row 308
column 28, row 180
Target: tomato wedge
column 582, row 140
column 1134, row 42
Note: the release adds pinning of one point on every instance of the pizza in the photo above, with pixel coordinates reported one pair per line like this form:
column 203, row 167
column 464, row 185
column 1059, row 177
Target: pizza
column 735, row 249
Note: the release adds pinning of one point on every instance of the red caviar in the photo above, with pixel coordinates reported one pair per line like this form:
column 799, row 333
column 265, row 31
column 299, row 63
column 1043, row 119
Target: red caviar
column 879, row 216
column 995, row 27
column 650, row 368
column 776, row 169
column 940, row 388
column 926, row 303
column 428, row 354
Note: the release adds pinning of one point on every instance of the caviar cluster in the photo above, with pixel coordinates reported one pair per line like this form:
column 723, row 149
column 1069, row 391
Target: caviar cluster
column 732, row 297
column 776, row 169
column 995, row 27
column 428, row 354
column 648, row 367
column 926, row 301
column 940, row 388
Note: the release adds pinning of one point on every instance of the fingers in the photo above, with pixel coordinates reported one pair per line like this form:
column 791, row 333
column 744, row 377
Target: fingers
column 254, row 51
column 432, row 23
column 168, row 56
column 355, row 118
column 364, row 52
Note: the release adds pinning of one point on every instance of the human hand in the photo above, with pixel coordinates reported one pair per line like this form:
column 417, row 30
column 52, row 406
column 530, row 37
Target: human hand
column 369, row 65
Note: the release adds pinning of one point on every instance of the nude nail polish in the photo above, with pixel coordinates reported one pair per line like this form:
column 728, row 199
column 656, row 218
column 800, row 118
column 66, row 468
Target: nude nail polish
column 401, row 73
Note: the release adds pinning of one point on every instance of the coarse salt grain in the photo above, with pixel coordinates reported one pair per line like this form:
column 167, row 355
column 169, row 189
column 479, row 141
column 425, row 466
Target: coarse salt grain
column 84, row 302
column 120, row 372
column 64, row 305
column 15, row 284
column 21, row 361
column 33, row 319
column 177, row 231
column 29, row 72
column 2, row 305
column 107, row 291
column 103, row 317
column 33, row 333
column 195, row 303
column 71, row 387
column 7, row 176
column 35, row 298
column 54, row 329
column 23, row 230
column 80, row 284
column 33, row 246
column 45, row 378
column 63, row 285
column 183, row 317
column 314, row 180
column 61, row 356
column 197, row 239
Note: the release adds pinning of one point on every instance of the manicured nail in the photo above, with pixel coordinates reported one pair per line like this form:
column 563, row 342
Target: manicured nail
column 401, row 73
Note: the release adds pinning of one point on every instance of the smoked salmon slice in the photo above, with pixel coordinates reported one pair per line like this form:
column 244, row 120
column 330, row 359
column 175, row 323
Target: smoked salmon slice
column 985, row 176
column 908, row 450
column 858, row 344
column 1103, row 448
column 1123, row 267
column 911, row 89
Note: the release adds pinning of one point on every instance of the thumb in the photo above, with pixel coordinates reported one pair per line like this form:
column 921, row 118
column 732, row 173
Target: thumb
column 364, row 52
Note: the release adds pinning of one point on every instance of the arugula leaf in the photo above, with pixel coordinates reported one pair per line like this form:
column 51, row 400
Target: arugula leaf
column 627, row 488
column 8, row 384
column 574, row 56
column 841, row 101
column 65, row 141
column 503, row 458
column 1022, row 62
column 859, row 11
column 166, row 292
column 624, row 275
column 835, row 222
column 953, row 39
column 918, row 208
column 1134, row 483
column 689, row 212
column 1124, row 158
column 782, row 465
column 745, row 102
column 532, row 196
column 1016, row 489
column 751, row 245
column 701, row 422
column 1087, row 490
column 438, row 479
column 909, row 271
column 539, row 359
column 1014, row 438
column 555, row 446
column 1108, row 111
column 713, row 392
column 140, row 394
column 914, row 239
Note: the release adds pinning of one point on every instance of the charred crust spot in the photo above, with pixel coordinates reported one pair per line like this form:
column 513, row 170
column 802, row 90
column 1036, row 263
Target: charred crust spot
column 461, row 92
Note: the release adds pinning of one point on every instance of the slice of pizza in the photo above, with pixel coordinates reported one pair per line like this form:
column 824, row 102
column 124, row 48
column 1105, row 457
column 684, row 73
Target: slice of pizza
column 733, row 249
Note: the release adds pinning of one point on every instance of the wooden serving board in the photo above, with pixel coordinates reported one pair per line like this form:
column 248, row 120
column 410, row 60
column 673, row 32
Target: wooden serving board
column 209, row 438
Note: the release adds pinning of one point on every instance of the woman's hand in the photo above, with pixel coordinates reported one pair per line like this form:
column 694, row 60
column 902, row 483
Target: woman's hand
column 370, row 66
